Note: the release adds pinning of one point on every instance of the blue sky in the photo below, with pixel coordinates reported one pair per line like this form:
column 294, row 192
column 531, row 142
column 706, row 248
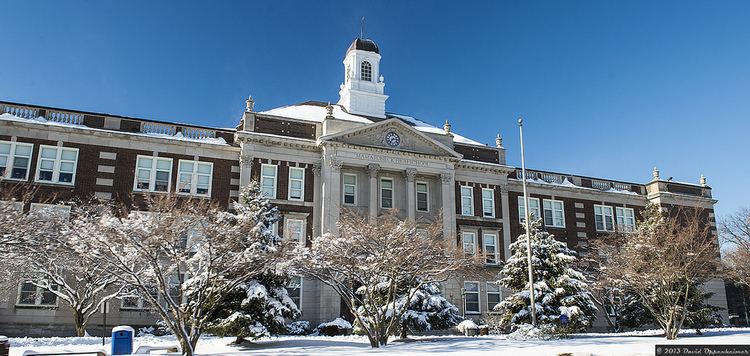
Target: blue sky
column 607, row 88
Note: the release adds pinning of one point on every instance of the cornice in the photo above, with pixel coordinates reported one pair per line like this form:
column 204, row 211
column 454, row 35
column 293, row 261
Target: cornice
column 387, row 151
column 275, row 140
column 485, row 167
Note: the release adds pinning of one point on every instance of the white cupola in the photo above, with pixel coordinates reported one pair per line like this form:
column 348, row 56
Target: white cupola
column 362, row 90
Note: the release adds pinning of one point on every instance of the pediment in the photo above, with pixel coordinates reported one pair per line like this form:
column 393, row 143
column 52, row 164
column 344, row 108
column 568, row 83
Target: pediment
column 392, row 134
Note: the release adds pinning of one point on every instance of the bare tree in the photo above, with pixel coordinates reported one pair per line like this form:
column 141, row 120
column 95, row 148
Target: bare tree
column 366, row 264
column 49, row 259
column 185, row 255
column 662, row 259
column 735, row 231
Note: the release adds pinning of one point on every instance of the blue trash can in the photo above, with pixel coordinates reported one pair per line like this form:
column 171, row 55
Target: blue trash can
column 122, row 340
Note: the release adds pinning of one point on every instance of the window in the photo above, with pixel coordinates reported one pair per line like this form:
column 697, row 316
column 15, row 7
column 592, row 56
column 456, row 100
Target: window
column 533, row 209
column 137, row 302
column 603, row 218
column 490, row 248
column 625, row 219
column 268, row 180
column 195, row 177
column 471, row 298
column 467, row 201
column 153, row 174
column 296, row 183
column 494, row 296
column 488, row 203
column 17, row 156
column 554, row 214
column 366, row 73
column 423, row 196
column 294, row 290
column 350, row 189
column 31, row 295
column 57, row 165
column 174, row 289
column 386, row 193
column 295, row 230
column 470, row 242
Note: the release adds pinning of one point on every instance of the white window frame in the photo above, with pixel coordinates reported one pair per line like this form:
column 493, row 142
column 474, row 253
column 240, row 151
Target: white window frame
column 554, row 222
column 141, row 304
column 275, row 178
column 302, row 184
column 426, row 196
column 368, row 66
column 194, row 177
column 479, row 298
column 300, row 286
column 474, row 234
column 521, row 209
column 470, row 197
column 354, row 188
column 494, row 236
column 288, row 230
column 152, row 174
column 57, row 162
column 392, row 189
column 611, row 215
column 10, row 159
column 38, row 297
column 499, row 293
column 490, row 202
column 625, row 223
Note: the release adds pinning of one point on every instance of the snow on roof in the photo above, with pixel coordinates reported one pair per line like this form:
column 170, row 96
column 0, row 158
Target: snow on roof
column 317, row 113
column 178, row 136
column 425, row 127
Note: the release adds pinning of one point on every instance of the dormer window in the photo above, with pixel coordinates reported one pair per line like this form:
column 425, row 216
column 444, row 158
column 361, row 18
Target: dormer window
column 366, row 71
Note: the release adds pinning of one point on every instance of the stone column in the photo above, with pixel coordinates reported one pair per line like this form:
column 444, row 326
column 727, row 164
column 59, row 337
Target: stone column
column 373, row 169
column 411, row 205
column 317, row 184
column 449, row 207
column 331, row 173
column 246, row 166
column 506, row 219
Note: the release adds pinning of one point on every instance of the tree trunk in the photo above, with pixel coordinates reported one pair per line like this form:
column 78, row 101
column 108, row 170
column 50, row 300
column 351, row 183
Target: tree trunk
column 373, row 341
column 185, row 347
column 404, row 330
column 80, row 321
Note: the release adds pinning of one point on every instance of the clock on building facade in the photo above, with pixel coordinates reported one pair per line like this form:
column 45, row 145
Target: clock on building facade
column 392, row 139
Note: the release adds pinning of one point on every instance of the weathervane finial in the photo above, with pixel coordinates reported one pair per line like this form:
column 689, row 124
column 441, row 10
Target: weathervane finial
column 362, row 28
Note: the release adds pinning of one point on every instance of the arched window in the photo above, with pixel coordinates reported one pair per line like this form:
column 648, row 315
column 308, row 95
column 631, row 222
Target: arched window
column 366, row 71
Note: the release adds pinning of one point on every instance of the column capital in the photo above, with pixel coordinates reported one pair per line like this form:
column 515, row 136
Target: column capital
column 246, row 161
column 446, row 177
column 335, row 165
column 316, row 169
column 504, row 189
column 373, row 169
column 410, row 174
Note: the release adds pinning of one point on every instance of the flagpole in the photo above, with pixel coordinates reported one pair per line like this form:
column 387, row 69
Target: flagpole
column 528, row 228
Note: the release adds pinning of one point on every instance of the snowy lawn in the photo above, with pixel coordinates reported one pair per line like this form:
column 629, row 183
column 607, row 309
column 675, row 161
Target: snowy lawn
column 633, row 343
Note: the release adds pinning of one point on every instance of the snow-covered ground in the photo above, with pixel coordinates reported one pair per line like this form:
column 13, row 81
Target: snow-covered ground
column 634, row 343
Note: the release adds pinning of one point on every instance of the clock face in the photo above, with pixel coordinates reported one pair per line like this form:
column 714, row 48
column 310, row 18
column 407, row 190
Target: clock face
column 392, row 139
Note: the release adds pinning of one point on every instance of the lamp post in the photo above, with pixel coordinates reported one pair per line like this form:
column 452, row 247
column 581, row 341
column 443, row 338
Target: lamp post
column 528, row 229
